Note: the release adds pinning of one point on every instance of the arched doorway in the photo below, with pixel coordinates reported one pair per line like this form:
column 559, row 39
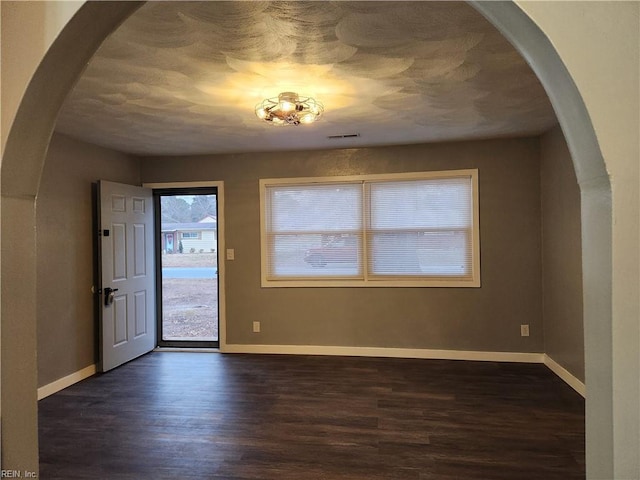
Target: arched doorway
column 25, row 153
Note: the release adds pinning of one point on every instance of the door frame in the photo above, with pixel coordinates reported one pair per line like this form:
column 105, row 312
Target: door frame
column 219, row 185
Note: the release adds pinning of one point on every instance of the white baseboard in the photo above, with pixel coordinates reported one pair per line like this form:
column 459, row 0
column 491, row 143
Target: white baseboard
column 517, row 357
column 565, row 375
column 385, row 352
column 65, row 382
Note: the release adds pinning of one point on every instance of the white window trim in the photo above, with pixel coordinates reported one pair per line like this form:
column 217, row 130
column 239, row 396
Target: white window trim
column 473, row 282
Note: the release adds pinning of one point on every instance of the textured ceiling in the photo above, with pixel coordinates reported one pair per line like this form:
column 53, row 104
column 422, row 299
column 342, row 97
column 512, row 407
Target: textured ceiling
column 184, row 77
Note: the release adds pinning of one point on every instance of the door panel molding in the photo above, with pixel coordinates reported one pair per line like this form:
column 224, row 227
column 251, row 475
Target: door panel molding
column 126, row 273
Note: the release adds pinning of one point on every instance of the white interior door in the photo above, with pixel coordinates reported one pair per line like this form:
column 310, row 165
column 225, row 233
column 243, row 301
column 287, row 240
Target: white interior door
column 127, row 312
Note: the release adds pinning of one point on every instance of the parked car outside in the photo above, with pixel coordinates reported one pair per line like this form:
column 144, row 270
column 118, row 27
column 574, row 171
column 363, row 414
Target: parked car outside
column 335, row 249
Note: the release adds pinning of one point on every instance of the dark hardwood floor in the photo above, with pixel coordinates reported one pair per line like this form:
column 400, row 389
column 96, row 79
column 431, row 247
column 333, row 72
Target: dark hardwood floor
column 174, row 415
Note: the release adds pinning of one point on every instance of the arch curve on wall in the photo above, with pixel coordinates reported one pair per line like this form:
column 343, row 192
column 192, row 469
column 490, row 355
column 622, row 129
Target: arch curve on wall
column 596, row 219
column 24, row 158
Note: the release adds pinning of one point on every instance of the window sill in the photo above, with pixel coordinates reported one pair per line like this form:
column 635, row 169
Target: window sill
column 385, row 283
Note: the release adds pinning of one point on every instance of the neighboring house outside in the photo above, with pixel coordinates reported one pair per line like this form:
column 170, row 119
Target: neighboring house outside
column 197, row 237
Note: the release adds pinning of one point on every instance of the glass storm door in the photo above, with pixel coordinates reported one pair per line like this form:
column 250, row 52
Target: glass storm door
column 187, row 283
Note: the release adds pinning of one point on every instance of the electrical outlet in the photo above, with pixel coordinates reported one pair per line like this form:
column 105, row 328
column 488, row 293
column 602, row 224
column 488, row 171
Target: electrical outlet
column 231, row 254
column 256, row 327
column 524, row 330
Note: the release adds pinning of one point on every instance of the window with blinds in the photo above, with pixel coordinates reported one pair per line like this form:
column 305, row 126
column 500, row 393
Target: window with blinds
column 418, row 229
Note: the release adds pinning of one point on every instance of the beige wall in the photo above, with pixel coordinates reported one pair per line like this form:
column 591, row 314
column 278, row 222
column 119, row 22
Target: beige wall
column 561, row 255
column 65, row 256
column 23, row 52
column 484, row 319
column 463, row 319
column 64, row 252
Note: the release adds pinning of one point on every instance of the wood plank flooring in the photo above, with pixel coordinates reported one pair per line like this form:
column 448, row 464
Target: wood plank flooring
column 200, row 416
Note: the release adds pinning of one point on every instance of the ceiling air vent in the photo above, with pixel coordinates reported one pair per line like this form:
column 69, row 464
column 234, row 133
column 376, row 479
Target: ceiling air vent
column 346, row 135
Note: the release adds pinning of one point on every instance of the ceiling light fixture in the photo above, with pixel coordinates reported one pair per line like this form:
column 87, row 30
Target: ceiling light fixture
column 289, row 109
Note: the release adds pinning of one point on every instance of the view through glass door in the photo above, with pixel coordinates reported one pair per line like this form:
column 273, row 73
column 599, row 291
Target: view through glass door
column 187, row 251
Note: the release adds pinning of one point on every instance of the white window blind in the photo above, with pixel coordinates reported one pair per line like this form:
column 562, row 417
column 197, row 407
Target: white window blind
column 420, row 227
column 314, row 230
column 376, row 230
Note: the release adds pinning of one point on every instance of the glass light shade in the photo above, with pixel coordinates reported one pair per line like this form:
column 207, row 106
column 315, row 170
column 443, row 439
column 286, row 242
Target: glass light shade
column 286, row 106
column 307, row 118
column 289, row 109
